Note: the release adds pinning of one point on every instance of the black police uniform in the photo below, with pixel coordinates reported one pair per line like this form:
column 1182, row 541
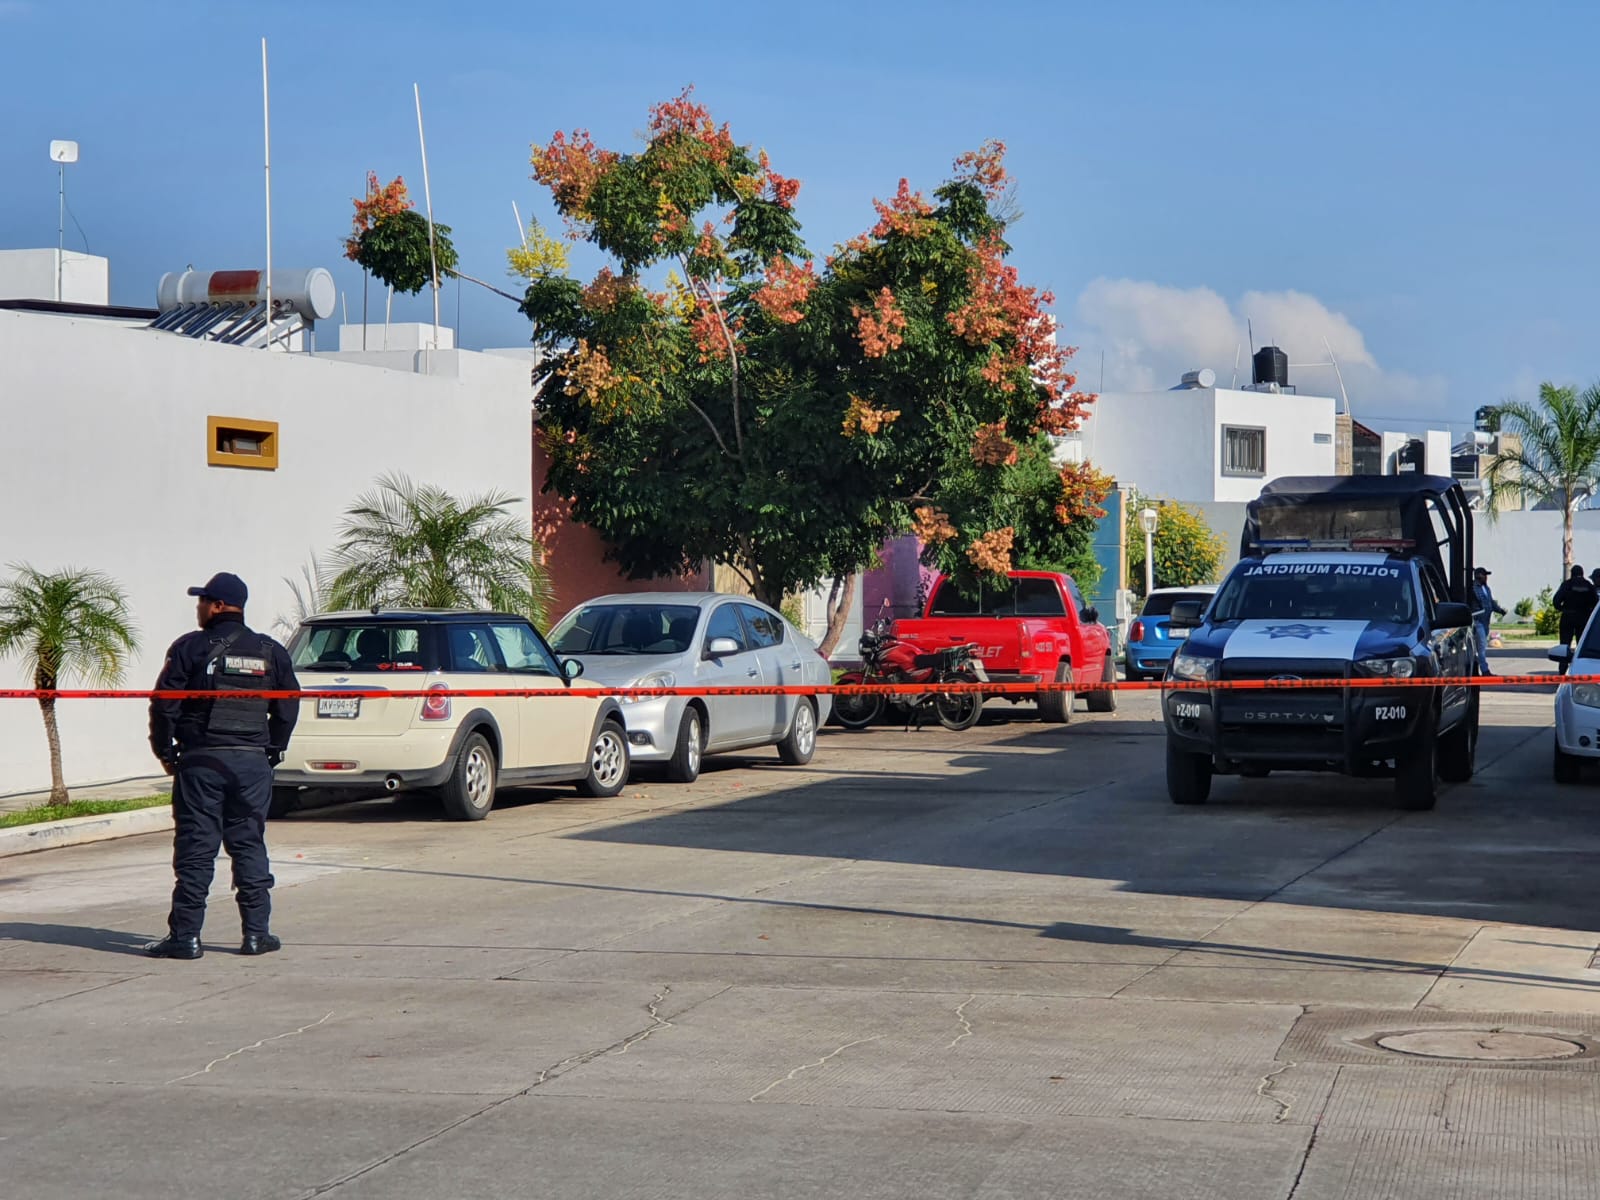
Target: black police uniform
column 222, row 752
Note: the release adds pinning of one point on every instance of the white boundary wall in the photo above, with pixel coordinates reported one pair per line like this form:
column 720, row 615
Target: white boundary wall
column 104, row 453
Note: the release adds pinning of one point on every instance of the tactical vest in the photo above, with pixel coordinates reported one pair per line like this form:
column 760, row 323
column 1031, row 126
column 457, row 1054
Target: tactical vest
column 239, row 663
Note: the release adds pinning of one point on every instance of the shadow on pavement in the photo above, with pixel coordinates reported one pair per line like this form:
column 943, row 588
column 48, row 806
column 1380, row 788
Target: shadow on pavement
column 112, row 941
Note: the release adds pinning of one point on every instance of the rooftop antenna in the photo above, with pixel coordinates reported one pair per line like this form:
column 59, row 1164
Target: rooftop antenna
column 1338, row 374
column 427, row 195
column 266, row 138
column 1237, row 347
column 1251, row 330
column 62, row 153
column 522, row 230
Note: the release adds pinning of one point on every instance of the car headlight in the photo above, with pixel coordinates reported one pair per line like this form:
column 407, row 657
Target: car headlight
column 654, row 679
column 1389, row 668
column 1586, row 694
column 1193, row 666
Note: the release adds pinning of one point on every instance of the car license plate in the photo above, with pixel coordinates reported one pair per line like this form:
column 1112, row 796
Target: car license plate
column 345, row 707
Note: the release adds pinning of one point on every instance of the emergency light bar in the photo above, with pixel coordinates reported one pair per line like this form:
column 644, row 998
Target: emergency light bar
column 1269, row 544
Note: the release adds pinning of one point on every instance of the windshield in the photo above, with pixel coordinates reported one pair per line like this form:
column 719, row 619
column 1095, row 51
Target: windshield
column 1324, row 591
column 363, row 646
column 1023, row 597
column 1160, row 604
column 627, row 629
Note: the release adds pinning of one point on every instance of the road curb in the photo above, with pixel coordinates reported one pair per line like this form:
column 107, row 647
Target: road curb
column 80, row 831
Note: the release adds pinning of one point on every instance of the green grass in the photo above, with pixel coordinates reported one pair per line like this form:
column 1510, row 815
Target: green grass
column 77, row 808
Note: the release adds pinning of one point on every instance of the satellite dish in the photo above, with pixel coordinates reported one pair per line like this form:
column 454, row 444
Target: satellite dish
column 64, row 152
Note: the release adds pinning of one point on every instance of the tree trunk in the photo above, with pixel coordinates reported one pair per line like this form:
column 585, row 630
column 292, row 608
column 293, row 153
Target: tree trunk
column 1566, row 534
column 840, row 596
column 58, row 786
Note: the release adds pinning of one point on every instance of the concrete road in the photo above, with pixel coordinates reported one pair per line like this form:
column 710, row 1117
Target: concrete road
column 994, row 964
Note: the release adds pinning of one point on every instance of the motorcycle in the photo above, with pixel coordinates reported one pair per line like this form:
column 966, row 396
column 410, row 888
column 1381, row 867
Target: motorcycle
column 888, row 659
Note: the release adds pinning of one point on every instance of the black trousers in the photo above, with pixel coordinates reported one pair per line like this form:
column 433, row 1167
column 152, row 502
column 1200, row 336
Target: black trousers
column 220, row 798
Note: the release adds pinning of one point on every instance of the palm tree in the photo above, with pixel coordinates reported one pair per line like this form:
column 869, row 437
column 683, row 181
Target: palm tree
column 70, row 623
column 415, row 544
column 309, row 593
column 1558, row 457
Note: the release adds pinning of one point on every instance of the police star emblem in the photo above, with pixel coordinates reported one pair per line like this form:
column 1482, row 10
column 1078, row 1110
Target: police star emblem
column 1303, row 632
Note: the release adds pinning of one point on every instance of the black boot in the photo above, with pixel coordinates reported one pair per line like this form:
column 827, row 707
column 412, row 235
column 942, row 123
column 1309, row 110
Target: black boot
column 260, row 943
column 173, row 946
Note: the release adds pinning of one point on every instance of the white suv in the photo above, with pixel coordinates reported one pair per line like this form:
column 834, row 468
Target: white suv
column 462, row 746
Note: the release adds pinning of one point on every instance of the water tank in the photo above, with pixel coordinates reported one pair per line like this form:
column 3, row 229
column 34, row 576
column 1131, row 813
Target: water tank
column 1270, row 365
column 1412, row 458
column 310, row 292
column 1203, row 378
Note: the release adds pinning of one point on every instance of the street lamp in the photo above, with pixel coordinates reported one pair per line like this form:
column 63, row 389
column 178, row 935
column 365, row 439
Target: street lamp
column 1147, row 520
column 62, row 153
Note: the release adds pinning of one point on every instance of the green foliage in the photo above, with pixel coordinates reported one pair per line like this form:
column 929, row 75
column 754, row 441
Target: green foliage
column 70, row 624
column 1187, row 552
column 794, row 610
column 409, row 544
column 396, row 251
column 836, row 416
column 1523, row 608
column 1555, row 457
column 42, row 813
column 1546, row 618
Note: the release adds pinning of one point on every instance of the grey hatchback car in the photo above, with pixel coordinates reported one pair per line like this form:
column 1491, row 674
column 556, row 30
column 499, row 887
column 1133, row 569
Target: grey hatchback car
column 693, row 639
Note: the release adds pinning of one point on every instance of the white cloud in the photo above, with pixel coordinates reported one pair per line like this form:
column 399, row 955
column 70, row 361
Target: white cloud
column 1151, row 333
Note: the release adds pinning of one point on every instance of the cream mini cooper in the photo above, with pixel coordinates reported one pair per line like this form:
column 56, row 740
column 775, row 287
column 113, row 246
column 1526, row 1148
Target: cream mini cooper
column 463, row 747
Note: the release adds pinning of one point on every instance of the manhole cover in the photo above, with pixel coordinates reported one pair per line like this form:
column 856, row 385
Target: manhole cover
column 1483, row 1045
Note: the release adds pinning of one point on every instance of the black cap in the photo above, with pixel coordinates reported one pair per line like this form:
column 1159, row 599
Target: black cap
column 1482, row 571
column 223, row 588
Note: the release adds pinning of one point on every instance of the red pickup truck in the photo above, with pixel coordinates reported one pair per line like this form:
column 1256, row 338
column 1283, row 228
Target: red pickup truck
column 1037, row 628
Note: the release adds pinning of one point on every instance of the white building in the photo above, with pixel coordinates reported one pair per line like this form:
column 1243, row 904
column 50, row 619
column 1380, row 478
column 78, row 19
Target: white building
column 161, row 458
column 1209, row 444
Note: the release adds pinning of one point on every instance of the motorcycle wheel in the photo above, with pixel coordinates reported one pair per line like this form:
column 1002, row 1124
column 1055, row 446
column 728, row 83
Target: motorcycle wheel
column 960, row 710
column 857, row 712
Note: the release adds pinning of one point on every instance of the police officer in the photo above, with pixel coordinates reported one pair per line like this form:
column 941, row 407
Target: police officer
column 220, row 753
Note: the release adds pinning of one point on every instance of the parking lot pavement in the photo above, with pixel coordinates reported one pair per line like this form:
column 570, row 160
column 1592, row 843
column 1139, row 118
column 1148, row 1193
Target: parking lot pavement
column 989, row 964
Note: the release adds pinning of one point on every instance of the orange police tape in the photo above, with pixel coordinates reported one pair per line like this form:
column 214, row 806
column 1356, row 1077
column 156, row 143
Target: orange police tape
column 996, row 688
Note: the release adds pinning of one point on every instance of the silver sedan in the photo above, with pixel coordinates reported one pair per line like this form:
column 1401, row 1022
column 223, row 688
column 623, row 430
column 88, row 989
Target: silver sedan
column 699, row 639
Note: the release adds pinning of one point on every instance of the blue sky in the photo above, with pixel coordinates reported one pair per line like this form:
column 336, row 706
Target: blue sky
column 1415, row 182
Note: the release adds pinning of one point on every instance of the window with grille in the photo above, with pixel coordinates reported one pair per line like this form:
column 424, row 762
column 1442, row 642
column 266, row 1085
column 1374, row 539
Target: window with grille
column 1244, row 451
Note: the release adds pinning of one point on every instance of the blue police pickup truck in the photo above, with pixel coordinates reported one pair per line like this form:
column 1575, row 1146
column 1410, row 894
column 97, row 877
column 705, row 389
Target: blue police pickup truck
column 1351, row 577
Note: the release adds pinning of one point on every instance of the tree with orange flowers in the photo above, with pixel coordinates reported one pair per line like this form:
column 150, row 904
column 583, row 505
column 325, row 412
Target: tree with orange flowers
column 717, row 393
column 389, row 237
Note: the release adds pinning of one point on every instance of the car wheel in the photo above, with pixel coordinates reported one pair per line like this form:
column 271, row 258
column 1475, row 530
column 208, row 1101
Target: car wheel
column 685, row 764
column 800, row 743
column 608, row 763
column 1056, row 707
column 469, row 792
column 285, row 800
column 1416, row 776
column 1188, row 776
column 1567, row 766
column 1458, row 749
column 1104, row 701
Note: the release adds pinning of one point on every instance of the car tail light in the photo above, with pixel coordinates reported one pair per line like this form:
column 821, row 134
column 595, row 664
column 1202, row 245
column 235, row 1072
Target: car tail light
column 336, row 765
column 437, row 706
column 1136, row 632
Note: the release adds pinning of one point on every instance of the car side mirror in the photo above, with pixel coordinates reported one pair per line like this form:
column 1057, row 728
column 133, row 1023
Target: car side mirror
column 571, row 668
column 1185, row 615
column 721, row 647
column 1559, row 654
column 1450, row 615
column 1090, row 616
